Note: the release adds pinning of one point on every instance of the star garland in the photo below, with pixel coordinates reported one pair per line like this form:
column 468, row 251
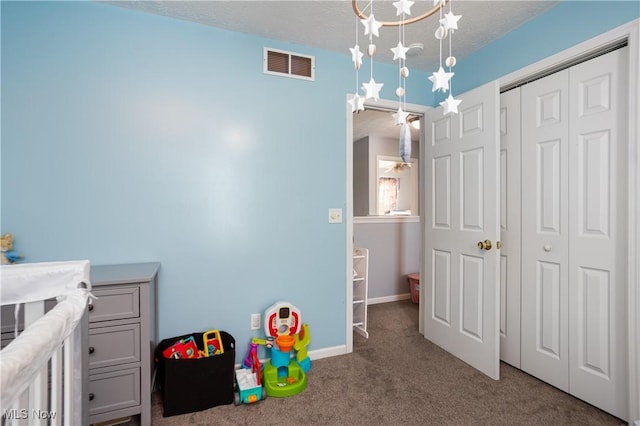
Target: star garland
column 356, row 101
column 441, row 79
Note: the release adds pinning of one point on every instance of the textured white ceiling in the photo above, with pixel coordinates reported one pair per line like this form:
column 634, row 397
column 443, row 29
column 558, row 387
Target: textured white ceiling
column 331, row 25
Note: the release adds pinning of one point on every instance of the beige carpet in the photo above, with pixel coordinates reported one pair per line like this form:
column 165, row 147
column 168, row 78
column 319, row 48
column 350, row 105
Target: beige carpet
column 396, row 377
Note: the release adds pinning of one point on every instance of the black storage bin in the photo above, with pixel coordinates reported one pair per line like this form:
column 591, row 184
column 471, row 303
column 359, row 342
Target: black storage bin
column 189, row 385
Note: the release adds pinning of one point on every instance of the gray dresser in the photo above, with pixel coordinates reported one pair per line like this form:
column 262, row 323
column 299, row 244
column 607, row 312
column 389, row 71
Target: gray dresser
column 123, row 334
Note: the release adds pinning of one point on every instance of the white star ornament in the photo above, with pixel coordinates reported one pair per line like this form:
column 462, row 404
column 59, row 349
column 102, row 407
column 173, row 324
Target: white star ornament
column 356, row 56
column 357, row 103
column 400, row 117
column 372, row 89
column 371, row 26
column 399, row 51
column 450, row 21
column 440, row 80
column 403, row 6
column 450, row 105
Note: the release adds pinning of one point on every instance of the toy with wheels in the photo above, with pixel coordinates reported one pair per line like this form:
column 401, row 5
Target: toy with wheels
column 249, row 388
column 248, row 378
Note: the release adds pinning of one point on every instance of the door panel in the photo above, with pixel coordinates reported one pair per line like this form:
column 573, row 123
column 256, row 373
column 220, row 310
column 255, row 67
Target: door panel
column 441, row 300
column 592, row 291
column 548, row 313
column 471, row 298
column 461, row 280
column 472, row 189
column 510, row 211
column 441, row 213
column 544, row 320
column 549, row 183
column 597, row 266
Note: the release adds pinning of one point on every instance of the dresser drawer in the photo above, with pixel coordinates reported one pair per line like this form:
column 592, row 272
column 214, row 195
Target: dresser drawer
column 115, row 303
column 114, row 390
column 114, row 345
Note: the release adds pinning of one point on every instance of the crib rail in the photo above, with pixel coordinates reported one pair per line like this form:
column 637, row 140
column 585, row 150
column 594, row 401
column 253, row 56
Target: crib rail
column 42, row 371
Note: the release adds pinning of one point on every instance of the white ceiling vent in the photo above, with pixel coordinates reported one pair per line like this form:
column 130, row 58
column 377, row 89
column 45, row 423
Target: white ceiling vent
column 288, row 64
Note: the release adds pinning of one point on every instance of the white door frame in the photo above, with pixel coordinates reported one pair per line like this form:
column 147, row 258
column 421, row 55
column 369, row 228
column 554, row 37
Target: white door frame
column 348, row 216
column 630, row 33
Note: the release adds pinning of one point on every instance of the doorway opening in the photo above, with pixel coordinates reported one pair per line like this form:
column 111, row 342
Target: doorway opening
column 383, row 206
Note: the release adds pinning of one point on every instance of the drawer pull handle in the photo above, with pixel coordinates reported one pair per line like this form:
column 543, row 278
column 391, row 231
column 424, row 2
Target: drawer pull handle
column 91, row 349
column 91, row 396
column 90, row 307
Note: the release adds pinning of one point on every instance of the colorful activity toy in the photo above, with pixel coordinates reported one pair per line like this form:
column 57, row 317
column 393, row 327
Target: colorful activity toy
column 284, row 376
column 285, row 373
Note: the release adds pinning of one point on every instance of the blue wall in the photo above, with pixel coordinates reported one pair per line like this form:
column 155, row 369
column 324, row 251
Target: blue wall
column 565, row 25
column 130, row 137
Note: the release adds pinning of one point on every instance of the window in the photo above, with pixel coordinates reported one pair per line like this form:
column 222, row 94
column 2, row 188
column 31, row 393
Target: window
column 397, row 187
column 388, row 188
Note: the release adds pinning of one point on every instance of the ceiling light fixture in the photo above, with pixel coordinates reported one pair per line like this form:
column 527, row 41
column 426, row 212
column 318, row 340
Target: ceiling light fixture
column 414, row 121
column 441, row 79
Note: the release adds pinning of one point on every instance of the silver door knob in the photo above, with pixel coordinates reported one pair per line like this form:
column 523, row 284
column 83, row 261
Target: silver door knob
column 547, row 248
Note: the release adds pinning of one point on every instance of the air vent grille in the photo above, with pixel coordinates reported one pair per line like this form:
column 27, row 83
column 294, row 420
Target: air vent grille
column 288, row 64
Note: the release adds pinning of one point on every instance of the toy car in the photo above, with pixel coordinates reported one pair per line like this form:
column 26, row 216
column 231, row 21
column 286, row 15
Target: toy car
column 249, row 388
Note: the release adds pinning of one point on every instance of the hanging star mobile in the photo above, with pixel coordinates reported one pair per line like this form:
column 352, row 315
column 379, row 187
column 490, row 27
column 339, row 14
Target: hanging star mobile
column 441, row 79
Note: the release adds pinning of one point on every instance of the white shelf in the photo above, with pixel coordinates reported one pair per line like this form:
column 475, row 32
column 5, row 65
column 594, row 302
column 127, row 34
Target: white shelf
column 360, row 290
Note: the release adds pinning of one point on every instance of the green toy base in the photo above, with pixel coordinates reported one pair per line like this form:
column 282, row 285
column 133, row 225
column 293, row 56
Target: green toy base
column 293, row 384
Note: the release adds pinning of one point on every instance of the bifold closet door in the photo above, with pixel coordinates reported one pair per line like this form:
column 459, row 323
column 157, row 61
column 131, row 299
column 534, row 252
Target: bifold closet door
column 574, row 239
column 597, row 232
column 545, row 252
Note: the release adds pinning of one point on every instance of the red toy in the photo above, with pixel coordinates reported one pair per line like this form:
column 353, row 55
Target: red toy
column 182, row 349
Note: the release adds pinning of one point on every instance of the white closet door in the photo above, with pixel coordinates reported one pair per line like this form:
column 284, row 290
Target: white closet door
column 461, row 187
column 545, row 257
column 510, row 213
column 597, row 232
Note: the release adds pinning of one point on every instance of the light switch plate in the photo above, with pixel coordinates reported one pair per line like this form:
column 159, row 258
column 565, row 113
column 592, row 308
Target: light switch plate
column 335, row 215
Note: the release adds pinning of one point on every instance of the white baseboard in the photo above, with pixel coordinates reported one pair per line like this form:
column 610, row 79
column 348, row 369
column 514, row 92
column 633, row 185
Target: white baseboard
column 328, row 352
column 386, row 299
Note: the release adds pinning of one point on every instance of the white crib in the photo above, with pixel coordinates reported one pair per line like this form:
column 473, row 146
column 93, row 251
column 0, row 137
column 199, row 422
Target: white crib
column 42, row 370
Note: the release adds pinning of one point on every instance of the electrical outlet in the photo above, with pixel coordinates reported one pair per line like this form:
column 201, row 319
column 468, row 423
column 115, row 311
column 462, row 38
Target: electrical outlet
column 255, row 321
